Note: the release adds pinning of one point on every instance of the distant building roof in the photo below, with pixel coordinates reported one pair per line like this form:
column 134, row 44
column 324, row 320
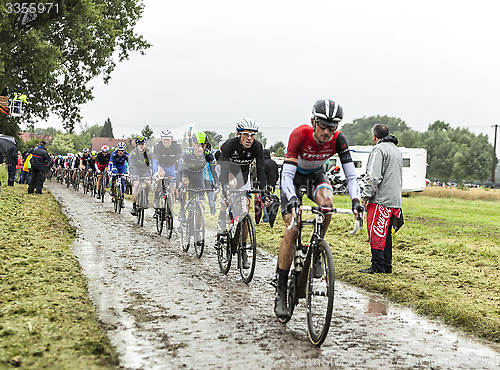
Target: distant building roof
column 98, row 142
column 29, row 135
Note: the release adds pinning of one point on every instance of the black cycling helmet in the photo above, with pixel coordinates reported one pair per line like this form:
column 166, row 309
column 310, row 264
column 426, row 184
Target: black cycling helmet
column 328, row 112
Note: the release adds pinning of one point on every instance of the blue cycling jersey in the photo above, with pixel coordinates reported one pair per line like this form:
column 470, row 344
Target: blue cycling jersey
column 120, row 163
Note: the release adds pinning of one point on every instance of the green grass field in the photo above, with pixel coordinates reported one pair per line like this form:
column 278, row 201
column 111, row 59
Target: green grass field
column 46, row 317
column 446, row 260
column 446, row 265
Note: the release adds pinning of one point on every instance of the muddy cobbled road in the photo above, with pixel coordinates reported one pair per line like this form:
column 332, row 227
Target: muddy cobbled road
column 163, row 308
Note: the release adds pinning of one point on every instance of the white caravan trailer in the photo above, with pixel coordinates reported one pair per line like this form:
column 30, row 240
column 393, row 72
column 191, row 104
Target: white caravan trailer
column 414, row 165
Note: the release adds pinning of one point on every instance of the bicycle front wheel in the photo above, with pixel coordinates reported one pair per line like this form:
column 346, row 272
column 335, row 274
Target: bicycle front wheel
column 224, row 255
column 247, row 250
column 198, row 231
column 160, row 219
column 140, row 216
column 319, row 293
column 119, row 200
column 169, row 220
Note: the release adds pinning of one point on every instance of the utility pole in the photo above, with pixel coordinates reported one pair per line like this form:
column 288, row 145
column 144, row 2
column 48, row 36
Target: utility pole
column 493, row 165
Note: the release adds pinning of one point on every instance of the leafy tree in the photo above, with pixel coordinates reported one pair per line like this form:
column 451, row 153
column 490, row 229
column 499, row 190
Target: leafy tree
column 280, row 152
column 359, row 132
column 214, row 138
column 107, row 129
column 51, row 131
column 62, row 144
column 276, row 146
column 51, row 56
column 261, row 138
column 147, row 132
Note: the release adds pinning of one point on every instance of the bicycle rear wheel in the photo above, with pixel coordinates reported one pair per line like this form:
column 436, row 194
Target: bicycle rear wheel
column 198, row 231
column 250, row 248
column 224, row 254
column 319, row 294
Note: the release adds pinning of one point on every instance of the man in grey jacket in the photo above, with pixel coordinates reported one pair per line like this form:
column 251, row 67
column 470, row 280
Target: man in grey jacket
column 382, row 197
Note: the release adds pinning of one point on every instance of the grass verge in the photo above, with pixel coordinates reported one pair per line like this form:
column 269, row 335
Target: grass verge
column 446, row 260
column 46, row 317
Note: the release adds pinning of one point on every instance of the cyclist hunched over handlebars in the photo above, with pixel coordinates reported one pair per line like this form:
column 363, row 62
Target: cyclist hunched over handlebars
column 236, row 156
column 140, row 167
column 309, row 147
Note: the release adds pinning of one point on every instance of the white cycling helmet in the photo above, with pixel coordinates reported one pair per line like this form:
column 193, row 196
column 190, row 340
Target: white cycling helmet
column 247, row 124
column 121, row 146
column 166, row 134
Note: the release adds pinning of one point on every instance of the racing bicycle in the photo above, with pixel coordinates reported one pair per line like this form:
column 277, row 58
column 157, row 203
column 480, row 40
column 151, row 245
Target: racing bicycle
column 117, row 196
column 312, row 275
column 165, row 214
column 239, row 238
column 192, row 229
column 142, row 201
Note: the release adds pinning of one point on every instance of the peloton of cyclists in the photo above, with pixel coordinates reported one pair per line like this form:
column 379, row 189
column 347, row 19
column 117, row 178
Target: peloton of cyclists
column 236, row 155
column 309, row 147
column 118, row 164
column 140, row 167
column 190, row 170
column 166, row 154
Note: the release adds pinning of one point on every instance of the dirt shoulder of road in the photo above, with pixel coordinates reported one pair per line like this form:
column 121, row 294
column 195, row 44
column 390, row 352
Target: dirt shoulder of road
column 46, row 317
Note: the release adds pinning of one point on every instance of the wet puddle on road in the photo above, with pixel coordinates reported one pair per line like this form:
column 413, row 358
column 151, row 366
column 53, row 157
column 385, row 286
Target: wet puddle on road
column 164, row 308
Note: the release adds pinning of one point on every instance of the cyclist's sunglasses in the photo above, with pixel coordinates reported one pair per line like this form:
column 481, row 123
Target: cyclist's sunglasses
column 248, row 134
column 324, row 124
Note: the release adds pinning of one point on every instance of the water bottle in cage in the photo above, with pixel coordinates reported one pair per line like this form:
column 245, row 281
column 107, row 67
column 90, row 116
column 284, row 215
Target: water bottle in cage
column 300, row 256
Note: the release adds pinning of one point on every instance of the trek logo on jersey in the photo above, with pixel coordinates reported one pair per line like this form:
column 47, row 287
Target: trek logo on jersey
column 314, row 156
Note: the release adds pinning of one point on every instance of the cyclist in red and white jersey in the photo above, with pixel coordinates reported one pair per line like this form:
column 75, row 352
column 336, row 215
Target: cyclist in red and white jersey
column 309, row 147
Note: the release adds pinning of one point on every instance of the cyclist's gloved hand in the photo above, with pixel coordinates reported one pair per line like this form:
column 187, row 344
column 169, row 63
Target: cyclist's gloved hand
column 357, row 207
column 135, row 178
column 156, row 176
column 293, row 203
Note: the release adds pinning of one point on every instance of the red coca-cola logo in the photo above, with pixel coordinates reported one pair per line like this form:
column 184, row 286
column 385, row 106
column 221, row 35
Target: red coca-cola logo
column 380, row 225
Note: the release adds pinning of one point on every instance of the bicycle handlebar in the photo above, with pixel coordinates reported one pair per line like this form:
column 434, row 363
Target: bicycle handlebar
column 358, row 224
column 252, row 191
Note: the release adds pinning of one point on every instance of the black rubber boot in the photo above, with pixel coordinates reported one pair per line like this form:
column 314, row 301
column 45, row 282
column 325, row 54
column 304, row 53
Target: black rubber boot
column 377, row 261
column 134, row 210
column 280, row 302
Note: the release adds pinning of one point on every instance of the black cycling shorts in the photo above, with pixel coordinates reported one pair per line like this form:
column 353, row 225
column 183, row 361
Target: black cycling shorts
column 311, row 182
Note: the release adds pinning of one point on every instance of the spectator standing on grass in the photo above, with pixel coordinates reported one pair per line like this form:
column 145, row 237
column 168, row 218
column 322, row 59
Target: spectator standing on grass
column 19, row 167
column 11, row 162
column 40, row 162
column 26, row 170
column 382, row 197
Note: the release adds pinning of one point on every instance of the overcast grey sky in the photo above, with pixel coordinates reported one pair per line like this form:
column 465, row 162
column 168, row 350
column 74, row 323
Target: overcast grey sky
column 215, row 62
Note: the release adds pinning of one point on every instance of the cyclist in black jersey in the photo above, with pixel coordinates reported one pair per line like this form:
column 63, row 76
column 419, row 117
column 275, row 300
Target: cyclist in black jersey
column 101, row 163
column 190, row 170
column 140, row 166
column 236, row 156
column 166, row 155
